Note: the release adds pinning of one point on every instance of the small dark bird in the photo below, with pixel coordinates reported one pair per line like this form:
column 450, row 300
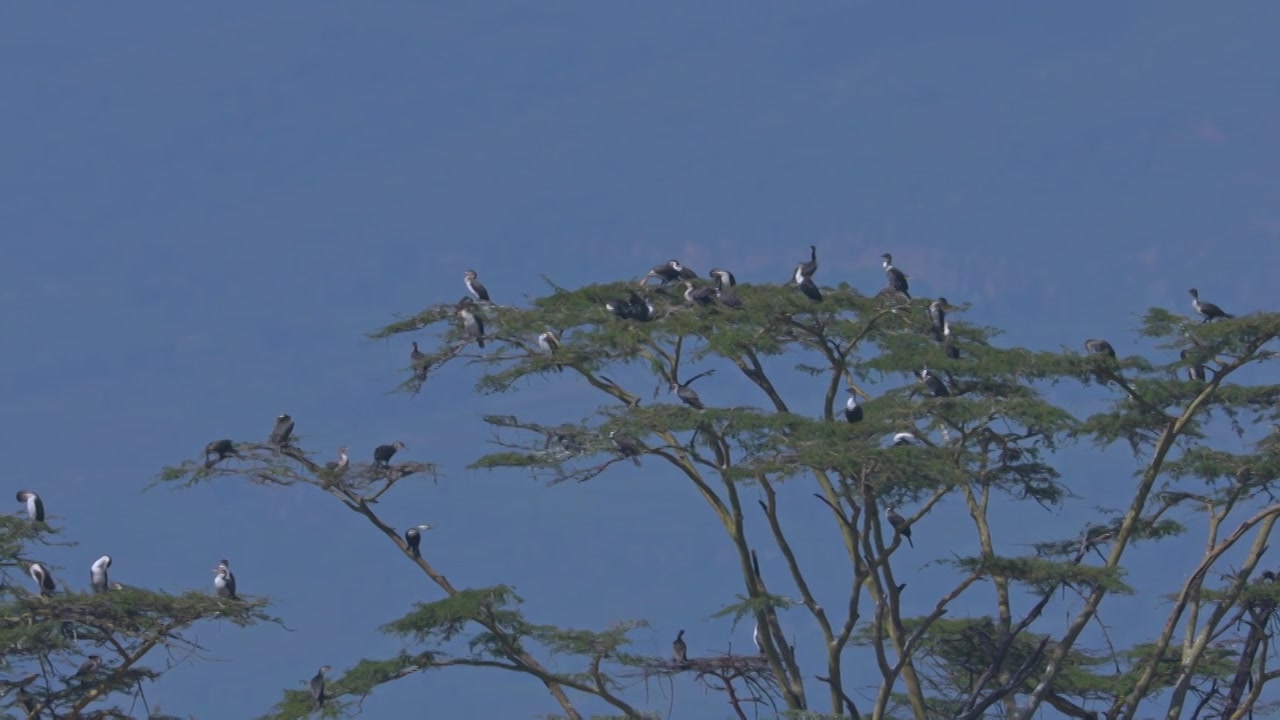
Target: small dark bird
column 472, row 321
column 1208, row 311
column 934, row 383
column 418, row 361
column 897, row 278
column 89, row 666
column 35, row 506
column 221, row 448
column 317, row 686
column 687, row 394
column 98, row 574
column 383, row 453
column 727, row 296
column 810, row 289
column 282, row 430
column 1100, row 347
column 413, row 538
column 852, row 410
column 43, row 578
column 1196, row 371
column 474, row 286
column 680, row 650
column 807, row 269
column 899, row 524
column 627, row 446
column 225, row 581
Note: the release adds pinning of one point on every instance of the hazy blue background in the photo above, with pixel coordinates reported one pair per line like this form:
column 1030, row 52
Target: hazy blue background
column 205, row 207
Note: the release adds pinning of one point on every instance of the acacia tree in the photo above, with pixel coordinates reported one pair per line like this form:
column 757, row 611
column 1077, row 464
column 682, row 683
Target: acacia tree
column 979, row 426
column 47, row 639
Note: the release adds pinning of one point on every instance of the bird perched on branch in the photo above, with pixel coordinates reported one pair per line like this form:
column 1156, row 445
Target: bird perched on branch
column 383, row 453
column 900, row 525
column 35, row 506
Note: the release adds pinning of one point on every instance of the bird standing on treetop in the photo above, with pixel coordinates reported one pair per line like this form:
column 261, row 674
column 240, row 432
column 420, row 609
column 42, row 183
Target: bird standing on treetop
column 726, row 296
column 35, row 506
column 679, row 649
column 474, row 286
column 897, row 278
column 342, row 461
column 418, row 361
column 98, row 574
column 282, row 430
column 699, row 296
column 723, row 277
column 43, row 578
column 670, row 271
column 225, row 581
column 472, row 321
column 1208, row 311
column 852, row 410
column 934, row 383
column 938, row 316
column 413, row 538
column 687, row 394
column 317, row 686
column 806, row 269
column 627, row 446
column 900, row 525
column 221, row 448
column 1100, row 347
column 383, row 453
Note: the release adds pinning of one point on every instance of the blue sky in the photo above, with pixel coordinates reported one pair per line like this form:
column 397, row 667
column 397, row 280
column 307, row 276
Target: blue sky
column 206, row 208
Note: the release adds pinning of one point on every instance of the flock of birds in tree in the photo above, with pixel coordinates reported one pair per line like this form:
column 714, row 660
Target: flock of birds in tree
column 634, row 307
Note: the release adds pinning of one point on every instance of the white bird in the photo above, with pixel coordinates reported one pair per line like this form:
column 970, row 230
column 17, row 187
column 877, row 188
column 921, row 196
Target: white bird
column 98, row 574
column 755, row 637
column 35, row 506
column 550, row 342
column 43, row 578
column 905, row 438
column 225, row 581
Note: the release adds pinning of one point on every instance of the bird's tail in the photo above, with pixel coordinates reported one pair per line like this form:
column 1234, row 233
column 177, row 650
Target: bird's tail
column 910, row 542
column 635, row 461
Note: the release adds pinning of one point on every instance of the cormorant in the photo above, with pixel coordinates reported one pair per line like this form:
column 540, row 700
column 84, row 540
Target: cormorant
column 809, row 288
column 98, row 574
column 1208, row 311
column 43, row 578
column 905, row 438
column 948, row 343
column 934, row 383
column 755, row 637
column 283, row 429
column 418, row 361
column 627, row 446
column 474, row 286
column 342, row 461
column 1196, row 371
column 383, row 453
column 723, row 277
column 222, row 448
column 899, row 524
column 699, row 296
column 471, row 320
column 687, row 394
column 317, row 686
column 938, row 316
column 89, row 666
column 671, row 271
column 679, row 649
column 1100, row 347
column 413, row 538
column 807, row 269
column 897, row 278
column 225, row 581
column 35, row 506
column 549, row 342
column 852, row 410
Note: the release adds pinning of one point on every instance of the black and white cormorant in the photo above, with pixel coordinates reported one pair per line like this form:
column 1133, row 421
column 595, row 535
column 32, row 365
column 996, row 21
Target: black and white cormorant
column 699, row 295
column 938, row 316
column 383, row 453
column 221, row 448
column 35, row 506
column 317, row 686
column 224, row 580
column 934, row 383
column 905, row 438
column 282, row 430
column 852, row 410
column 1099, row 347
column 418, row 361
column 471, row 320
column 948, row 343
column 413, row 538
column 627, row 446
column 680, row 649
column 897, row 278
column 43, row 578
column 723, row 277
column 687, row 394
column 342, row 462
column 809, row 288
column 806, row 269
column 671, row 271
column 550, row 342
column 98, row 574
column 89, row 666
column 899, row 524
column 474, row 286
column 1195, row 371
column 1208, row 311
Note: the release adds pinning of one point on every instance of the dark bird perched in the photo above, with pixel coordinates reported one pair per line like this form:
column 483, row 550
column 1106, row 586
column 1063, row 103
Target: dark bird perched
column 317, row 686
column 221, row 448
column 43, row 578
column 89, row 666
column 699, row 296
column 474, row 286
column 98, row 574
column 671, row 271
column 633, row 308
column 900, row 525
column 1208, row 311
column 687, row 394
column 281, row 432
column 723, row 277
column 679, row 649
column 949, row 343
column 413, row 538
column 35, row 506
column 550, row 342
column 905, row 438
column 341, row 463
column 383, row 453
column 224, row 580
column 1100, row 347
column 938, row 316
column 897, row 278
column 472, row 321
column 852, row 410
column 1196, row 371
column 934, row 383
column 809, row 288
column 807, row 269
column 418, row 361
column 627, row 446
